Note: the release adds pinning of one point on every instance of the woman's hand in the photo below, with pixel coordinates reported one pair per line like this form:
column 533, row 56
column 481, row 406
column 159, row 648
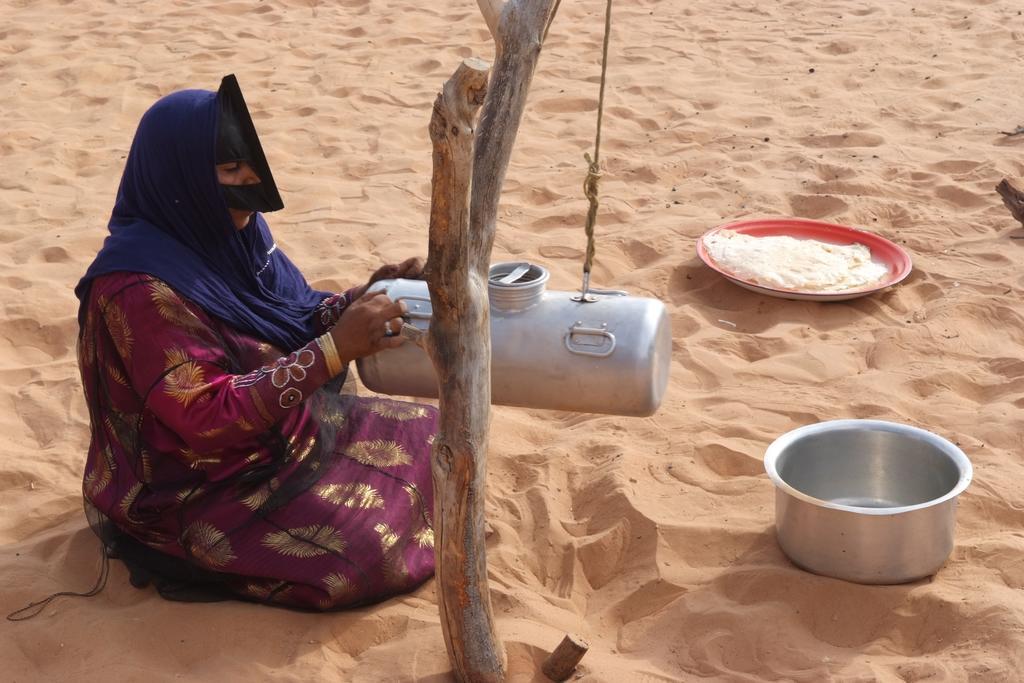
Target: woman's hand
column 370, row 324
column 409, row 269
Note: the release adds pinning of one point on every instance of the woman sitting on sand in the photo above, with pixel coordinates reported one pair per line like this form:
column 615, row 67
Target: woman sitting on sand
column 223, row 455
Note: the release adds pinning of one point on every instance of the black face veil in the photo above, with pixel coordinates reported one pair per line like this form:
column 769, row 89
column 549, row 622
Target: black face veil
column 237, row 141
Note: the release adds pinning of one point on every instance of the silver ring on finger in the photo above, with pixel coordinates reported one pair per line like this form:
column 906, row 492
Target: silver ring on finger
column 387, row 329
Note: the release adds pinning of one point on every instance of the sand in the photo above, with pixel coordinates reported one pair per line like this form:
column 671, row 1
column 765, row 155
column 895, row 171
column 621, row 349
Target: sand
column 652, row 538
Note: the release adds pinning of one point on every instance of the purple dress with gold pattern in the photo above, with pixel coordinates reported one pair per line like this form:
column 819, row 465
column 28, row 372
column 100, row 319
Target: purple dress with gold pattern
column 243, row 460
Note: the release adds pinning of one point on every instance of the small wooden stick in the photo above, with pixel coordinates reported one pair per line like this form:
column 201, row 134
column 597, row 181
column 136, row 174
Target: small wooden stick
column 1013, row 198
column 562, row 662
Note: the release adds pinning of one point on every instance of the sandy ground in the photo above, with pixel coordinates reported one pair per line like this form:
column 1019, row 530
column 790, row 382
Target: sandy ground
column 652, row 538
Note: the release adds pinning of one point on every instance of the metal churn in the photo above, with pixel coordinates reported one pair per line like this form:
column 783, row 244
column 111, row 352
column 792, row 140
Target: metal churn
column 549, row 349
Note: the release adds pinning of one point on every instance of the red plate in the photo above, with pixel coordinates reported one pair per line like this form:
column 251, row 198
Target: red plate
column 882, row 251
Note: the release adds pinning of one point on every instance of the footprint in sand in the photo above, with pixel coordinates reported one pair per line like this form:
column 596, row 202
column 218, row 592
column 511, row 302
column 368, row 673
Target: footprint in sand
column 816, row 206
column 684, row 325
column 725, row 462
column 602, row 558
column 552, row 221
column 641, row 254
column 426, row 66
column 960, row 197
column 15, row 282
column 686, row 279
column 7, row 236
column 28, row 336
column 830, row 172
column 706, row 105
column 43, row 408
column 555, row 251
column 839, row 48
column 955, row 166
column 1007, row 368
column 627, row 114
column 566, row 105
column 844, row 140
column 55, row 255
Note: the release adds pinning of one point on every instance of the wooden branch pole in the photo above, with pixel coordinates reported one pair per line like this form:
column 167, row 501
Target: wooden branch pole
column 459, row 345
column 519, row 42
column 562, row 662
column 459, row 341
column 1013, row 198
column 491, row 9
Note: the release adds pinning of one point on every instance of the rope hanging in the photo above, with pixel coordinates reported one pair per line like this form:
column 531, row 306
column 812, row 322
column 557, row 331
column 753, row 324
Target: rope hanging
column 591, row 185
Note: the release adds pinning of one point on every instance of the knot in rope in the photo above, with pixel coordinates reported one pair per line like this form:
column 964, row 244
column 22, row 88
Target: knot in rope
column 591, row 184
column 591, row 189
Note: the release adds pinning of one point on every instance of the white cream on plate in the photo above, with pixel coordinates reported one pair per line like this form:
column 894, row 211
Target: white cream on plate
column 783, row 262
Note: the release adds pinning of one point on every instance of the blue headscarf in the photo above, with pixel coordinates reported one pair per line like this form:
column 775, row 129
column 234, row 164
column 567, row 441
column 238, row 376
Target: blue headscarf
column 170, row 221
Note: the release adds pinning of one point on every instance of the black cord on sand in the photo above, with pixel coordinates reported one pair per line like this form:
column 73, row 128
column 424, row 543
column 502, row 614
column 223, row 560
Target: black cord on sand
column 34, row 609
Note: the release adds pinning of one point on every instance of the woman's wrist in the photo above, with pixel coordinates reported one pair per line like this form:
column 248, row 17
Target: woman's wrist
column 335, row 363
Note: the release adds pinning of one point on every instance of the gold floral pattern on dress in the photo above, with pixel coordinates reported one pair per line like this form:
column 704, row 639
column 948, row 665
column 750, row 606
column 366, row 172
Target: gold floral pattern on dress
column 378, row 453
column 261, row 495
column 424, row 537
column 87, row 342
column 126, row 503
column 339, row 589
column 244, row 425
column 415, row 497
column 155, row 538
column 395, row 410
column 85, row 356
column 261, row 408
column 334, row 418
column 171, row 307
column 388, row 537
column 214, row 432
column 117, row 375
column 197, row 460
column 208, row 544
column 120, row 430
column 147, row 466
column 190, row 493
column 117, row 325
column 268, row 351
column 395, row 570
column 362, row 496
column 337, row 585
column 266, row 589
column 185, row 382
column 305, row 542
column 298, row 453
column 101, row 474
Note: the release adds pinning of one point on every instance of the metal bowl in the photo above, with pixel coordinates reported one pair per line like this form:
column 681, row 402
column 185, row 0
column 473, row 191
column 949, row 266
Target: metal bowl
column 865, row 500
